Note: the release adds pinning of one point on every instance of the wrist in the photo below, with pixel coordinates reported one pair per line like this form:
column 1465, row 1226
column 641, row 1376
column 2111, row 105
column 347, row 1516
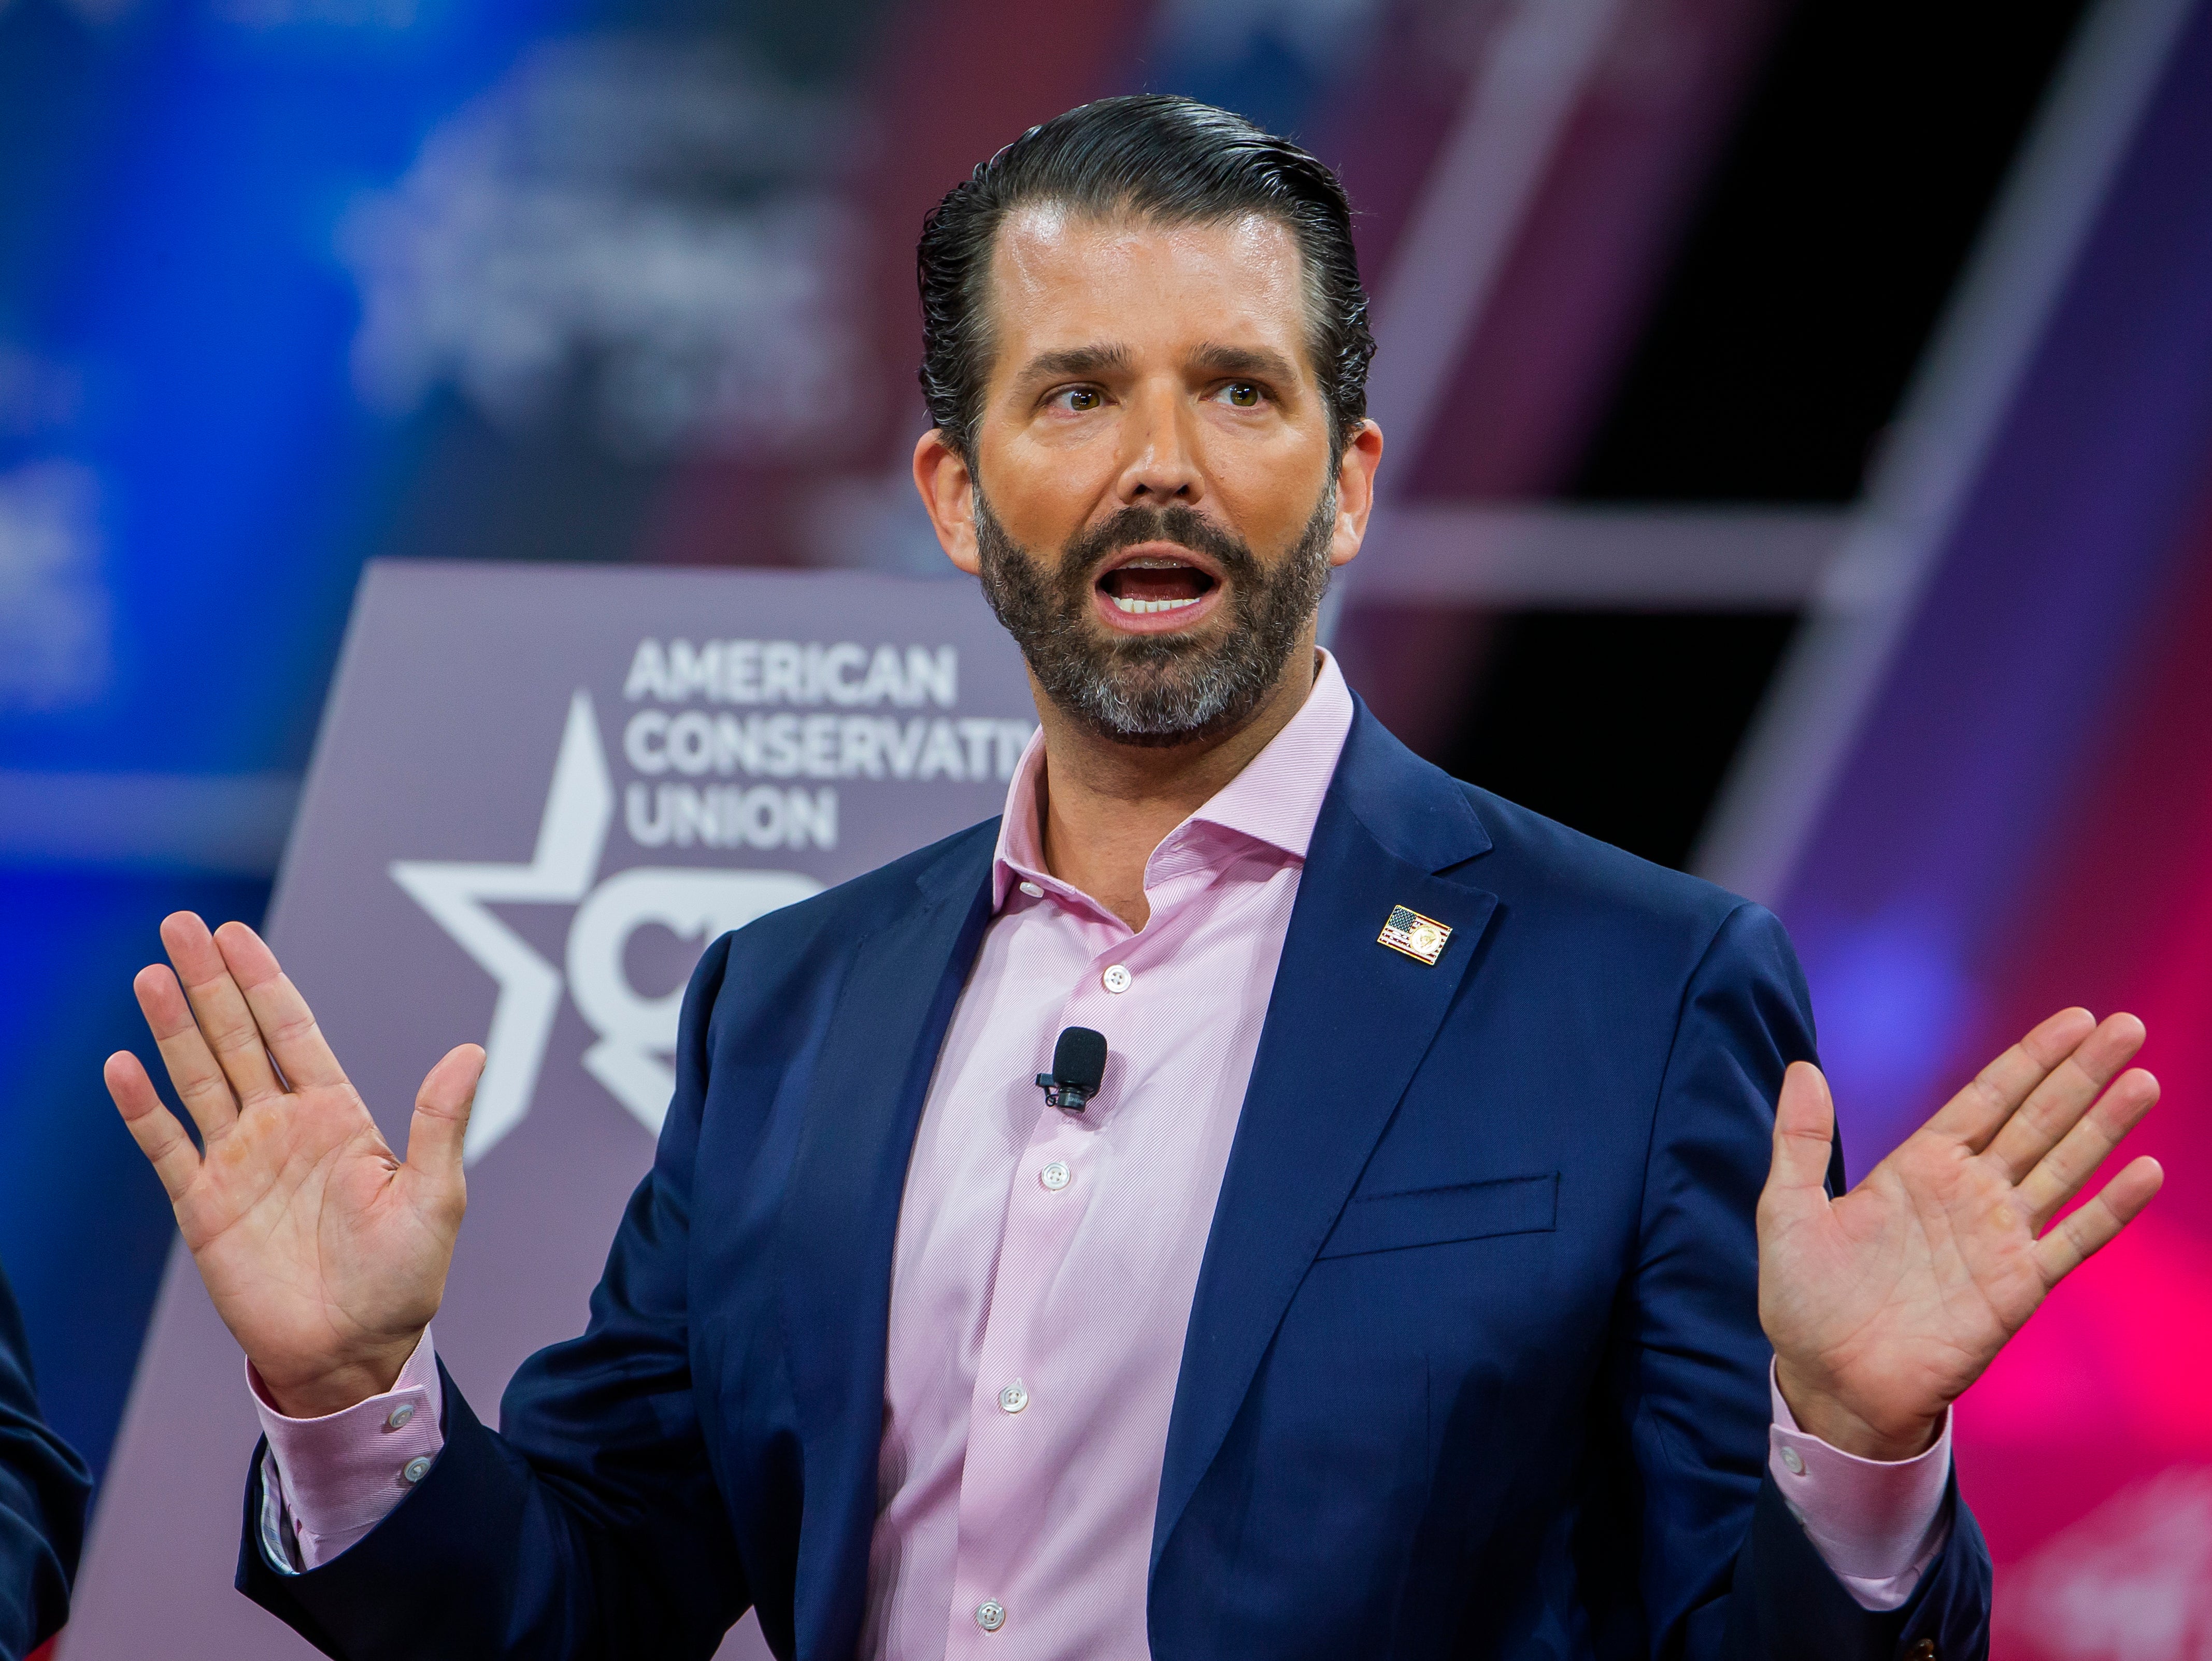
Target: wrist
column 1850, row 1428
column 316, row 1393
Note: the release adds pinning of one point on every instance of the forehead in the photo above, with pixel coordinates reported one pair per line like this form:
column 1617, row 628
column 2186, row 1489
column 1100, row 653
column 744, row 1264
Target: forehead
column 1062, row 277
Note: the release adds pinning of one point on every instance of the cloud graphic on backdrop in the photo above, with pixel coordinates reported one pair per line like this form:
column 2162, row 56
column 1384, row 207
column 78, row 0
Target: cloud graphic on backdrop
column 1313, row 32
column 636, row 1034
column 2132, row 1581
column 646, row 225
column 56, row 649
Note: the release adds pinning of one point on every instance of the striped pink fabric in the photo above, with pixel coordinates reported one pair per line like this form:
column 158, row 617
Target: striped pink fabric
column 1046, row 1261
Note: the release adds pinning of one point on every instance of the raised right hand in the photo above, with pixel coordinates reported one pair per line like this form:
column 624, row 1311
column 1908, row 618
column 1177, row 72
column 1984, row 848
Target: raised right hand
column 326, row 1256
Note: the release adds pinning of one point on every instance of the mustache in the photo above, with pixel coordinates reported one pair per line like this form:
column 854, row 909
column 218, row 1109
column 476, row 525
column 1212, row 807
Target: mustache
column 1135, row 525
column 1160, row 690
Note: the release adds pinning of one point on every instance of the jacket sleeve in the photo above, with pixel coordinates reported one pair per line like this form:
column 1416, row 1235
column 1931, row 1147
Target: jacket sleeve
column 590, row 1526
column 43, row 1489
column 1725, row 1572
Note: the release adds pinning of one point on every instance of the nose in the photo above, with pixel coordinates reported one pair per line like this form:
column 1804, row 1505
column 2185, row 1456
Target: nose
column 1161, row 463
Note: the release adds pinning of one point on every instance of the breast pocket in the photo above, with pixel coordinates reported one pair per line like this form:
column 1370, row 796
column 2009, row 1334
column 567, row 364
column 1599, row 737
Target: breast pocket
column 1437, row 1216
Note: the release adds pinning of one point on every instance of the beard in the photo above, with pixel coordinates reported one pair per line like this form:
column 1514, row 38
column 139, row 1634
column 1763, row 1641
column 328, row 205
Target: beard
column 1155, row 690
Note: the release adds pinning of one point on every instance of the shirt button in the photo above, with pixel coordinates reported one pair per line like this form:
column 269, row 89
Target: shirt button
column 1033, row 890
column 415, row 1470
column 398, row 1417
column 1054, row 1176
column 1013, row 1398
column 990, row 1615
column 1116, row 978
column 1794, row 1460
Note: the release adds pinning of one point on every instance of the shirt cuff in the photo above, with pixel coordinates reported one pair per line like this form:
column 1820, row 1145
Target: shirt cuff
column 333, row 1479
column 1877, row 1523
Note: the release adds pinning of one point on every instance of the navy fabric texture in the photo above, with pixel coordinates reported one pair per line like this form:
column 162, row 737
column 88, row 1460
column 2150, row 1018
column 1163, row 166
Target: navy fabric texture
column 1473, row 1367
column 44, row 1487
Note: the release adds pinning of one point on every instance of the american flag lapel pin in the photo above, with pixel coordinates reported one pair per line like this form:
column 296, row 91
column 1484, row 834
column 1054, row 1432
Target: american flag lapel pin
column 1420, row 938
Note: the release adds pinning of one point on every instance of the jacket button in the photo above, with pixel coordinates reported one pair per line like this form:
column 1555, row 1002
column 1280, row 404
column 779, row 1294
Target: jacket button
column 1923, row 1651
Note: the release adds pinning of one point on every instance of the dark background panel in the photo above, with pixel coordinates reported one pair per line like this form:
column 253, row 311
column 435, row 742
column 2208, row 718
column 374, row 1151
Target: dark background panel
column 1830, row 237
column 1619, row 723
column 1836, row 222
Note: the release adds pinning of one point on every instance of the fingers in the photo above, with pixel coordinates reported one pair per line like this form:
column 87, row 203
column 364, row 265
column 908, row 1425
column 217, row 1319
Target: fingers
column 2059, row 1175
column 152, row 1126
column 200, row 1082
column 1980, row 1111
column 440, row 1125
column 2083, row 1233
column 224, row 1019
column 2056, row 1105
column 282, row 1015
column 1804, row 1126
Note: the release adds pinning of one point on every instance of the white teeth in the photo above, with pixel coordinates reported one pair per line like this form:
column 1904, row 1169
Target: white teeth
column 1139, row 607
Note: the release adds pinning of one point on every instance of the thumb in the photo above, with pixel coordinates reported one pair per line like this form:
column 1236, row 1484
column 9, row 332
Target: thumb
column 441, row 1124
column 1804, row 1126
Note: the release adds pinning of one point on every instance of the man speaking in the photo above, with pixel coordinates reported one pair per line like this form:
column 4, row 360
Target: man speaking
column 1428, row 1271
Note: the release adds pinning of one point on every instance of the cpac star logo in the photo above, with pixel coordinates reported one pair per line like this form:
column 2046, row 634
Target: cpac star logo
column 636, row 1035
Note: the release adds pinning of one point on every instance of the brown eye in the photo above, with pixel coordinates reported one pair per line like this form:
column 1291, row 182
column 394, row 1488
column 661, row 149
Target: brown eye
column 1244, row 395
column 1082, row 400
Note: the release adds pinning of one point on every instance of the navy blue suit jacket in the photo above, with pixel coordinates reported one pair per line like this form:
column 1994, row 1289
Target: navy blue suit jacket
column 43, row 1489
column 1473, row 1367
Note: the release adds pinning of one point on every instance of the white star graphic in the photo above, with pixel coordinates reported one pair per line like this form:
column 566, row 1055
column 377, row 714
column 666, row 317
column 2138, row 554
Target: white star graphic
column 578, row 810
column 636, row 1034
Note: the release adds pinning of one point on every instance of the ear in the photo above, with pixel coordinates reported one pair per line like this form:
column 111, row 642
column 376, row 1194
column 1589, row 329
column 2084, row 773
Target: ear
column 948, row 491
column 1355, row 491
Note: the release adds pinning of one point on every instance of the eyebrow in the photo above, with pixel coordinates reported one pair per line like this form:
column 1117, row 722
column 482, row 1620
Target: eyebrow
column 1075, row 361
column 1213, row 357
column 1257, row 361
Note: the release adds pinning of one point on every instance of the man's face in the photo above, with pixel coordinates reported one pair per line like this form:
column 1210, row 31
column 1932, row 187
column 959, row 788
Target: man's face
column 1151, row 507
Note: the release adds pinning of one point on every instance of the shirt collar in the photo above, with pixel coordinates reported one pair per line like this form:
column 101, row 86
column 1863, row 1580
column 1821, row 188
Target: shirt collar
column 1275, row 800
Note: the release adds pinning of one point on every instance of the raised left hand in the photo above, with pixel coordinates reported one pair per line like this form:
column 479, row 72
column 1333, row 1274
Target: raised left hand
column 1884, row 1304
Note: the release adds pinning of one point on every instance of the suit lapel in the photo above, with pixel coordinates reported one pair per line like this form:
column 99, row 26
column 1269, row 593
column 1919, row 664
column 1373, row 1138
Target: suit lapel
column 839, row 1218
column 1348, row 1023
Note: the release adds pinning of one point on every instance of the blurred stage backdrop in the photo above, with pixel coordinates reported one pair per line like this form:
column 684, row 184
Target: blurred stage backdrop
column 1799, row 419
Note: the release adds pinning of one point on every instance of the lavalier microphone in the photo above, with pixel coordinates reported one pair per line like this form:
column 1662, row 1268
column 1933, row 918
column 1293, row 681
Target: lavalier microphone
column 1078, row 1066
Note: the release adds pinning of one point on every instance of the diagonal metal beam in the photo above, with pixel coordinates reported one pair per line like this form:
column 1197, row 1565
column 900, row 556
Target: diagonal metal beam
column 1474, row 202
column 228, row 825
column 1471, row 210
column 1787, row 769
column 1715, row 559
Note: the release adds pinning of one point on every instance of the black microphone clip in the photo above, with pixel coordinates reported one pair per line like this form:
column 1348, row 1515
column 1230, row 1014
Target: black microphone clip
column 1079, row 1067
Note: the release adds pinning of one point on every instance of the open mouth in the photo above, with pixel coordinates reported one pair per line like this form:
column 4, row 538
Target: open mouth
column 1149, row 590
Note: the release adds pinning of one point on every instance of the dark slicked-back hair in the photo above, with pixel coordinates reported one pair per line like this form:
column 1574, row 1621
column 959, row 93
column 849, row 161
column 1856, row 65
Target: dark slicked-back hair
column 1149, row 157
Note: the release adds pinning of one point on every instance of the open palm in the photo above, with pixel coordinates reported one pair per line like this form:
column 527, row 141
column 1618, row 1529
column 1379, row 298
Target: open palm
column 324, row 1253
column 1884, row 1304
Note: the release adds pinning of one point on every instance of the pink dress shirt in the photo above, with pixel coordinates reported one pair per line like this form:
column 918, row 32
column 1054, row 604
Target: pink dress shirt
column 1045, row 1261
